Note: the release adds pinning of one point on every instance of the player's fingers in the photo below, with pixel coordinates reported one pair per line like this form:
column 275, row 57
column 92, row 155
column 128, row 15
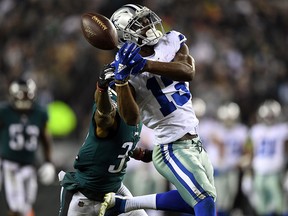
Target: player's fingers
column 122, row 49
column 129, row 49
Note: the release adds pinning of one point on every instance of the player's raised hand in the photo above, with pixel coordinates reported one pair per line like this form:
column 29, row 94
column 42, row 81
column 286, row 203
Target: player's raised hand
column 106, row 76
column 127, row 61
column 140, row 63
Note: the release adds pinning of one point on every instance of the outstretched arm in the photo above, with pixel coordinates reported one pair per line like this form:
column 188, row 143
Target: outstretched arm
column 125, row 60
column 128, row 109
column 105, row 115
column 182, row 68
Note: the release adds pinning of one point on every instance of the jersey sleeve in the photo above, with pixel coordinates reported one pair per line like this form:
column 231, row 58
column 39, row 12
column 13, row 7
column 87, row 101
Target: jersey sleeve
column 176, row 39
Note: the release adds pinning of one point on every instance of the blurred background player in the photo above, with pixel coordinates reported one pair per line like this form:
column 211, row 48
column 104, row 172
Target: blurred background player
column 206, row 129
column 224, row 138
column 100, row 164
column 269, row 138
column 23, row 123
column 230, row 137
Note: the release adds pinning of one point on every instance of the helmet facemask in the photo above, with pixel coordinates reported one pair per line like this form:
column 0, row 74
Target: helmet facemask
column 22, row 94
column 137, row 24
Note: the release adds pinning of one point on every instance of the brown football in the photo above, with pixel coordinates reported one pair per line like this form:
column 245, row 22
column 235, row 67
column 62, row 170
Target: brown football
column 99, row 31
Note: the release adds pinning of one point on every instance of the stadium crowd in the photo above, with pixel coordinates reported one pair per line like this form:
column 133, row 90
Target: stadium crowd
column 240, row 49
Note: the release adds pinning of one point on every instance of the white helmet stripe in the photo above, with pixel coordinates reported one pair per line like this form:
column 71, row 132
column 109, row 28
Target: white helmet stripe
column 134, row 7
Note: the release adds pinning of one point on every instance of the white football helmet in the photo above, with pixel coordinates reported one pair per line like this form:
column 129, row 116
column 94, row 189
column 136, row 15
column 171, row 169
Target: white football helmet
column 137, row 24
column 228, row 113
column 199, row 106
column 269, row 111
column 22, row 93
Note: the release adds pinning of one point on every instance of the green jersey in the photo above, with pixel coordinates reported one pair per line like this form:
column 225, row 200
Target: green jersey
column 19, row 133
column 101, row 162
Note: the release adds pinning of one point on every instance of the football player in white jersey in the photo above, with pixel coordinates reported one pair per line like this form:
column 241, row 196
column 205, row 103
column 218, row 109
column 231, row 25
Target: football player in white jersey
column 155, row 68
column 224, row 138
column 269, row 138
column 230, row 137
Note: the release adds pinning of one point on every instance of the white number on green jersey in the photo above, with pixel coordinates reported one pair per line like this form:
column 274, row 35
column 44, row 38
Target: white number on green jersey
column 23, row 137
column 128, row 146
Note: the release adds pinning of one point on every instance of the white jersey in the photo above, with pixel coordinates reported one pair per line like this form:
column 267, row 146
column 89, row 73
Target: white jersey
column 207, row 130
column 234, row 139
column 165, row 105
column 268, row 146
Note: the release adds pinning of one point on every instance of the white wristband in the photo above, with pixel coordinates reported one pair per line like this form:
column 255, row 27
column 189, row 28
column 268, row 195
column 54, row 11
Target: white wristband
column 121, row 84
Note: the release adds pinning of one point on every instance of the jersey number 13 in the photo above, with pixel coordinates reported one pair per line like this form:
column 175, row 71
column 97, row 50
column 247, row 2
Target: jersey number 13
column 167, row 106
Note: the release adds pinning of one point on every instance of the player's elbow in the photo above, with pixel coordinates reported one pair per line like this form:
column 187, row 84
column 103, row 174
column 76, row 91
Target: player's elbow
column 189, row 67
column 191, row 74
column 188, row 72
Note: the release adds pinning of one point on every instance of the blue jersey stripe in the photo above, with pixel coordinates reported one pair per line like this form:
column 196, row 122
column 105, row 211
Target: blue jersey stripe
column 182, row 39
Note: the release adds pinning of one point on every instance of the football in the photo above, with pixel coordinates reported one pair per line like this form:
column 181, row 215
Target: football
column 99, row 31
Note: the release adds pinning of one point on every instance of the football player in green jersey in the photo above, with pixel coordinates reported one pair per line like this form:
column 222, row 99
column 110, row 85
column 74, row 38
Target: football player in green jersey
column 100, row 164
column 23, row 124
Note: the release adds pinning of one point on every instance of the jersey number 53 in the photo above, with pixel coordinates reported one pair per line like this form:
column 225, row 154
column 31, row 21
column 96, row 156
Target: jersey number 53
column 23, row 137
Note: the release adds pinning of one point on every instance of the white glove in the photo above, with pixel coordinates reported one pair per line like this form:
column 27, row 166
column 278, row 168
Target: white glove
column 61, row 175
column 47, row 173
